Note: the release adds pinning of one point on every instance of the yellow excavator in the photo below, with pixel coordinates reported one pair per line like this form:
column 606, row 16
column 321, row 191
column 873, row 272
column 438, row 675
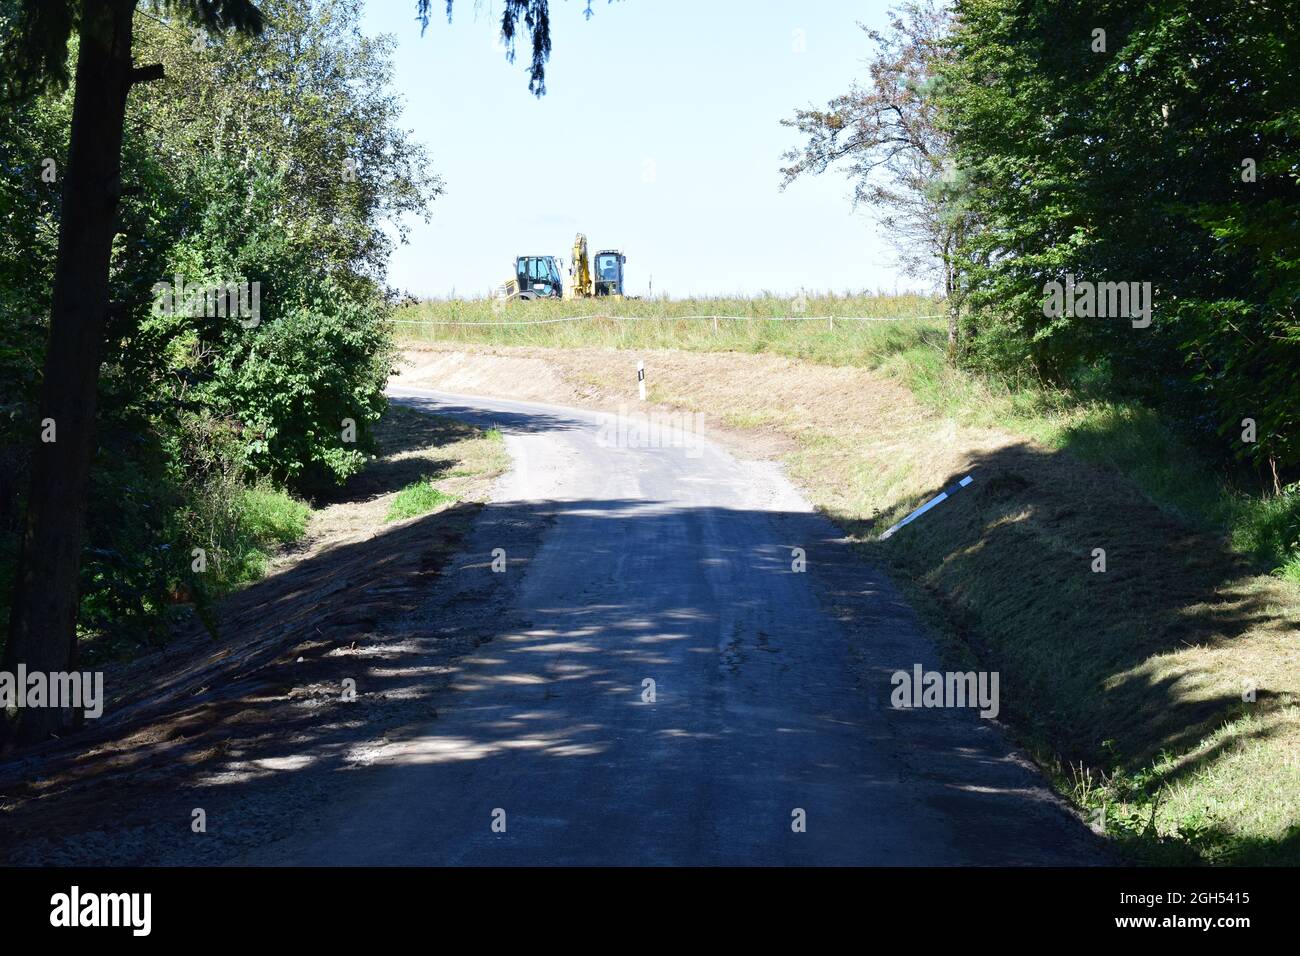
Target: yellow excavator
column 538, row 277
column 580, row 284
column 604, row 276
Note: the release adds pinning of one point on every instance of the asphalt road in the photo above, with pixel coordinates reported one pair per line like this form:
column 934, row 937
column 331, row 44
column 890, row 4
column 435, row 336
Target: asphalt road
column 771, row 694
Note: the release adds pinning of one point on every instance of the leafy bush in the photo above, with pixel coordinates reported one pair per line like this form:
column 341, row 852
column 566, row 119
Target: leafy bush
column 274, row 516
column 306, row 388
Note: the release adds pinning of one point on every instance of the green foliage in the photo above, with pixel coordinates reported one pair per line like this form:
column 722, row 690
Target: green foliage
column 297, row 382
column 28, row 134
column 236, row 523
column 1270, row 530
column 35, row 35
column 228, row 179
column 265, row 518
column 273, row 516
column 530, row 15
column 35, row 41
column 1127, row 165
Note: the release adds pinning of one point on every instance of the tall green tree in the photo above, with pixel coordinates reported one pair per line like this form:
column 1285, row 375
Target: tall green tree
column 886, row 135
column 295, row 185
column 43, row 614
column 37, row 35
column 1140, row 141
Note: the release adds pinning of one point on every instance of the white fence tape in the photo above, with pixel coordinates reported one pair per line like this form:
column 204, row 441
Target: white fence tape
column 674, row 318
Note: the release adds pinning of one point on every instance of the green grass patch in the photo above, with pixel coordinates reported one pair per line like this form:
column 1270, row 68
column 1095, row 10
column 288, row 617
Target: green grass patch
column 1269, row 529
column 418, row 498
column 749, row 419
column 264, row 519
column 1134, row 440
column 274, row 516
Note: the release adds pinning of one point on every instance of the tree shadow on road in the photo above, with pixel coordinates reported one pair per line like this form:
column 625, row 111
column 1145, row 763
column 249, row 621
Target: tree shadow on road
column 453, row 666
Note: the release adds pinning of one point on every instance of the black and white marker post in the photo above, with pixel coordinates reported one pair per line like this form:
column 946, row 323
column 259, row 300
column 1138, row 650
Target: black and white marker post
column 640, row 377
column 928, row 505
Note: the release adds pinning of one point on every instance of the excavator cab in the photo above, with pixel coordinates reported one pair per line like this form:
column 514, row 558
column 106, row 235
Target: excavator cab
column 537, row 277
column 609, row 272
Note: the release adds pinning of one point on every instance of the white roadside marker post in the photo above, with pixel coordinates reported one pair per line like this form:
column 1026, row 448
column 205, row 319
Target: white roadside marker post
column 640, row 378
column 928, row 505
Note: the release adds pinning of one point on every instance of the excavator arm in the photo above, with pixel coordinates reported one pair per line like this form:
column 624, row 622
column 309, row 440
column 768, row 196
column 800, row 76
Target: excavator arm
column 580, row 283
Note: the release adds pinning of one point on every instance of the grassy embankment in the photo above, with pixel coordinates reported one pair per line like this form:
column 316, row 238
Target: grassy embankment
column 1127, row 683
column 424, row 464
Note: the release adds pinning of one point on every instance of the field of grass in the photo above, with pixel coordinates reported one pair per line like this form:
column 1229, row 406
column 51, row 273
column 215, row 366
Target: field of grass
column 819, row 328
column 1161, row 694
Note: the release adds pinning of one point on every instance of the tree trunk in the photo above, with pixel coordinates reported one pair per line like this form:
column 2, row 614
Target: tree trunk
column 43, row 617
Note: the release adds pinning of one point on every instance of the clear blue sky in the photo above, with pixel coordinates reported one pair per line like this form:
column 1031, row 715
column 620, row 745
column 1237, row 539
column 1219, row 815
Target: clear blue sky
column 658, row 134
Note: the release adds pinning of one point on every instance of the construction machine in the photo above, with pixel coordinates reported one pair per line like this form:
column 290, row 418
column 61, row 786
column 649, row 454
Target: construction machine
column 538, row 277
column 609, row 272
column 600, row 276
column 580, row 284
